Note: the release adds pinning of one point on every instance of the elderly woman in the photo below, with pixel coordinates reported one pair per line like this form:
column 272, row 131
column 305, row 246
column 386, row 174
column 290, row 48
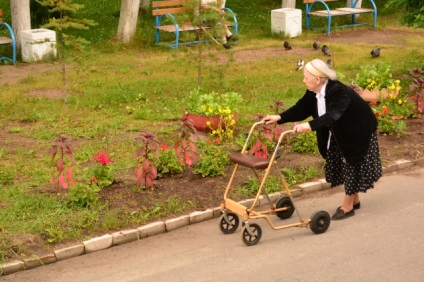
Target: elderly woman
column 346, row 133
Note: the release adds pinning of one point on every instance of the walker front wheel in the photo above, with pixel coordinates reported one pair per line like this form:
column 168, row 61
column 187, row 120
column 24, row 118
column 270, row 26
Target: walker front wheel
column 285, row 202
column 228, row 223
column 252, row 235
column 320, row 221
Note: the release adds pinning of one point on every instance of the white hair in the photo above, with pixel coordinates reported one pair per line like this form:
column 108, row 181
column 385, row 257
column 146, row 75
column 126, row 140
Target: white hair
column 320, row 69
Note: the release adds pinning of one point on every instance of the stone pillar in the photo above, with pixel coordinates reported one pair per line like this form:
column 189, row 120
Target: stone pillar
column 288, row 4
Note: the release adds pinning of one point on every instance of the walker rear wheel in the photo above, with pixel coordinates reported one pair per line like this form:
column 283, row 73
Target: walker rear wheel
column 320, row 221
column 230, row 224
column 254, row 237
column 285, row 202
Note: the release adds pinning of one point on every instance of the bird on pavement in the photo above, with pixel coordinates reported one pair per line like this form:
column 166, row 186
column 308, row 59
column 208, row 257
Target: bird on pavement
column 375, row 53
column 315, row 45
column 287, row 45
column 300, row 64
column 325, row 50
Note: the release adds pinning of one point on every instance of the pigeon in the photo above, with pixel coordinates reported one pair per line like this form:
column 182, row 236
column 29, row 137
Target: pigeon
column 300, row 64
column 287, row 45
column 375, row 53
column 329, row 63
column 315, row 45
column 325, row 50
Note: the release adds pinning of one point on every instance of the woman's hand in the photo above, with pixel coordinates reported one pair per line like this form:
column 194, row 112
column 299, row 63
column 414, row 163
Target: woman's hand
column 302, row 127
column 271, row 119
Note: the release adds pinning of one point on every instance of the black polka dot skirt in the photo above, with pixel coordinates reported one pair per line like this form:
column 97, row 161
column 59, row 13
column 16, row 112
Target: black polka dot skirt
column 358, row 177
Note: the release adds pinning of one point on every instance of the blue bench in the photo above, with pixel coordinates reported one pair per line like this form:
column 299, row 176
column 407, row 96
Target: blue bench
column 168, row 9
column 7, row 41
column 338, row 12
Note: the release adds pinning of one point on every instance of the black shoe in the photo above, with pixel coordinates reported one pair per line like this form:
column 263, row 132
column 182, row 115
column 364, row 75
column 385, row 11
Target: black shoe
column 226, row 46
column 341, row 214
column 357, row 206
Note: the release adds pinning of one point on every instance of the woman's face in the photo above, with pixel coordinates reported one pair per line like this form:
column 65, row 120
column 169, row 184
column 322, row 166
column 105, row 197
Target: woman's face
column 312, row 82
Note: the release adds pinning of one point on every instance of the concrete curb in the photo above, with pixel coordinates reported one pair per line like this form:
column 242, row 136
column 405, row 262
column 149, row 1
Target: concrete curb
column 126, row 236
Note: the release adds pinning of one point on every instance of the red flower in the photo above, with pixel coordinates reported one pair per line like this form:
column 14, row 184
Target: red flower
column 102, row 158
column 386, row 110
column 374, row 102
column 164, row 147
column 394, row 118
column 377, row 114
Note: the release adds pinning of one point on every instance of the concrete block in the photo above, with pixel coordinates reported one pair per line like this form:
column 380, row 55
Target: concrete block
column 98, row 243
column 151, row 229
column 297, row 192
column 419, row 161
column 69, row 252
column 125, row 236
column 247, row 203
column 199, row 216
column 11, row 267
column 175, row 223
column 402, row 164
column 217, row 212
column 310, row 187
column 34, row 260
column 392, row 167
column 325, row 184
column 287, row 21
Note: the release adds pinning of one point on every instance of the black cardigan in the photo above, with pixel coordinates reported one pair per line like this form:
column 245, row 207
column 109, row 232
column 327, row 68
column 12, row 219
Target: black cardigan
column 348, row 116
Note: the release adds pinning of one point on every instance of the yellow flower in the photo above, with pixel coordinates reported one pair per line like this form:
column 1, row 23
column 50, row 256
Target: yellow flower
column 398, row 88
column 397, row 81
column 208, row 123
column 232, row 122
column 210, row 110
column 213, row 131
column 392, row 87
column 400, row 102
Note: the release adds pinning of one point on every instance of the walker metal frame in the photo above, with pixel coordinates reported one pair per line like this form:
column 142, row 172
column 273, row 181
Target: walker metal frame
column 283, row 208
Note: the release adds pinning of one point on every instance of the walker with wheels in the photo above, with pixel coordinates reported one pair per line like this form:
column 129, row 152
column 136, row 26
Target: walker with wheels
column 283, row 208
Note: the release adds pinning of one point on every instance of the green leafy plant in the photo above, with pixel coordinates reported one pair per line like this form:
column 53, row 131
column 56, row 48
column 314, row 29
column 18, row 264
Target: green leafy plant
column 374, row 77
column 213, row 159
column 167, row 161
column 62, row 149
column 212, row 104
column 146, row 170
column 305, row 143
column 389, row 123
column 83, row 195
column 103, row 174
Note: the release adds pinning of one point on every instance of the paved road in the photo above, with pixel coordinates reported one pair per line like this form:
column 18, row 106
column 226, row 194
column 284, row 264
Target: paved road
column 383, row 242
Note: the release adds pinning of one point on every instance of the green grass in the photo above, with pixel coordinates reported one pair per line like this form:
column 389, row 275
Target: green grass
column 115, row 91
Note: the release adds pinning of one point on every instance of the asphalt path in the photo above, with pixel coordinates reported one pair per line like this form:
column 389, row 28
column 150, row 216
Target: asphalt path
column 383, row 242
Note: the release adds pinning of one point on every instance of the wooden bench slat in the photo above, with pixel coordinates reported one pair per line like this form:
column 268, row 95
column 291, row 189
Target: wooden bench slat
column 158, row 4
column 5, row 40
column 312, row 1
column 356, row 10
column 170, row 11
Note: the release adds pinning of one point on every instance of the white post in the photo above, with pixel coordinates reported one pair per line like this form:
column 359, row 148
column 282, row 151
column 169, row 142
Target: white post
column 288, row 4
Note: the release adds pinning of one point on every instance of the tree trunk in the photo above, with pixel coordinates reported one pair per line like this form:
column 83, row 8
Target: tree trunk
column 21, row 19
column 128, row 20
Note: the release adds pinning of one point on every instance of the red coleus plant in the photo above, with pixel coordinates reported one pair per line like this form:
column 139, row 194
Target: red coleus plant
column 62, row 156
column 185, row 146
column 416, row 88
column 146, row 170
